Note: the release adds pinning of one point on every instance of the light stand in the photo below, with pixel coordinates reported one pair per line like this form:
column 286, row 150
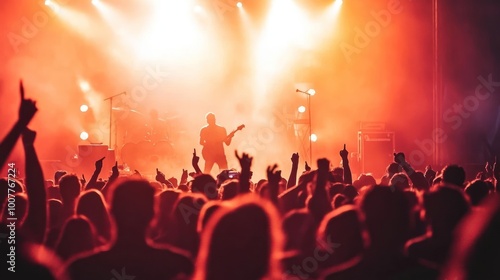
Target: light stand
column 111, row 116
column 309, row 93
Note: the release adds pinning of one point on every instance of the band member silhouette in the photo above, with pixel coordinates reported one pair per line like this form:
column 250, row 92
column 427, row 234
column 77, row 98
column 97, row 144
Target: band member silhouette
column 212, row 138
column 156, row 128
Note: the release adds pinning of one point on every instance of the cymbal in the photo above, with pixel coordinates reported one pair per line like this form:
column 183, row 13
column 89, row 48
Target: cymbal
column 119, row 109
column 137, row 112
column 172, row 118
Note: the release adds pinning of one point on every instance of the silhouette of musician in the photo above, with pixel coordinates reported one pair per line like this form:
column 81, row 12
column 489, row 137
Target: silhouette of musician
column 212, row 138
column 156, row 128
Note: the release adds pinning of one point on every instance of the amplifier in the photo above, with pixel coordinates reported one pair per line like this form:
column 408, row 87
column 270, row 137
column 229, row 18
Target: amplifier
column 372, row 126
column 375, row 151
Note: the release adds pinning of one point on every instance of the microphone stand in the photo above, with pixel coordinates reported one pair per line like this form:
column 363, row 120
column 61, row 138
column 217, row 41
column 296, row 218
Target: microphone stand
column 111, row 115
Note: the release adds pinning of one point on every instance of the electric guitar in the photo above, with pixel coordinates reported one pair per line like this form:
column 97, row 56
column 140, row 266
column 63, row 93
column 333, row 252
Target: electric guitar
column 231, row 135
column 210, row 154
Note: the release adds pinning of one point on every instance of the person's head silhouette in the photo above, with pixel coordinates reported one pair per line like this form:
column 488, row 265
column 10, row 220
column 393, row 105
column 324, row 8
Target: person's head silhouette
column 69, row 186
column 241, row 241
column 92, row 205
column 454, row 174
column 77, row 236
column 210, row 118
column 132, row 207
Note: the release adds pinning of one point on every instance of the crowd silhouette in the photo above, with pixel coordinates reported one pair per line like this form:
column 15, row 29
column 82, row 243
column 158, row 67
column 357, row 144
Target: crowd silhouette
column 317, row 224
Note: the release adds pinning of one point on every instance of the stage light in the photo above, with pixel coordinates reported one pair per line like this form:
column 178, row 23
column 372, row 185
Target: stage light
column 84, row 136
column 311, row 92
column 84, row 86
column 198, row 9
column 95, row 2
column 239, row 5
column 314, row 137
column 302, row 109
column 52, row 5
column 84, row 108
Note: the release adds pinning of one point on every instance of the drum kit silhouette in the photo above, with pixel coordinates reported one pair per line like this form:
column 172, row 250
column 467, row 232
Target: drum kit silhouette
column 147, row 140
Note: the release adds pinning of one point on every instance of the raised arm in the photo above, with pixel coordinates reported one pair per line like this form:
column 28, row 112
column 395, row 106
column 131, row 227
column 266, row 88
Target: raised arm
column 273, row 179
column 92, row 184
column 319, row 204
column 292, row 180
column 344, row 154
column 184, row 177
column 27, row 110
column 160, row 177
column 194, row 162
column 399, row 158
column 36, row 217
column 496, row 175
column 245, row 163
column 114, row 174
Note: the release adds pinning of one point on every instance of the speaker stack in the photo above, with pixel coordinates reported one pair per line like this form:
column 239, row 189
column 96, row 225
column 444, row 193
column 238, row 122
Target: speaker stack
column 376, row 148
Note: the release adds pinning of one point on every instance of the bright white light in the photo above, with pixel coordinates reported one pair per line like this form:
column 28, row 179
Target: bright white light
column 171, row 32
column 84, row 86
column 302, row 109
column 314, row 138
column 84, row 136
column 52, row 5
column 239, row 5
column 95, row 2
column 84, row 108
column 311, row 91
column 198, row 9
column 338, row 3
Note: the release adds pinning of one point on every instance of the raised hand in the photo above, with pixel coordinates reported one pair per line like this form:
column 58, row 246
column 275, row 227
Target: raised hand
column 184, row 176
column 28, row 137
column 245, row 160
column 115, row 171
column 98, row 163
column 488, row 169
column 195, row 158
column 160, row 177
column 429, row 174
column 399, row 158
column 307, row 167
column 273, row 175
column 344, row 154
column 295, row 158
column 27, row 109
column 496, row 170
column 83, row 180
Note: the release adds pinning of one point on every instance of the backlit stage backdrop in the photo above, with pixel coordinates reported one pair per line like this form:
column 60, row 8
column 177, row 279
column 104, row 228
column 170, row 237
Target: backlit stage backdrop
column 368, row 61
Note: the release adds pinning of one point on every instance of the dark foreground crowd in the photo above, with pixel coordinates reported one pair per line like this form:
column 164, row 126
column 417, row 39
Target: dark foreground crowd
column 316, row 224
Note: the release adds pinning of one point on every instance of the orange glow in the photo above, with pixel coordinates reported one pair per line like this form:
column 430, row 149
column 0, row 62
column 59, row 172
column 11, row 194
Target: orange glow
column 243, row 62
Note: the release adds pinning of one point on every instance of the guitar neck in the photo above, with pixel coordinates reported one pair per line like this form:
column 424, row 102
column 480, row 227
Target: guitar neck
column 230, row 135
